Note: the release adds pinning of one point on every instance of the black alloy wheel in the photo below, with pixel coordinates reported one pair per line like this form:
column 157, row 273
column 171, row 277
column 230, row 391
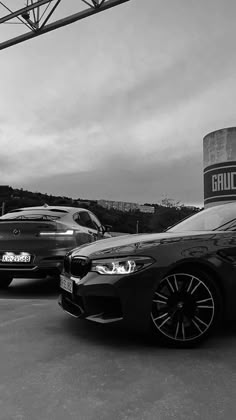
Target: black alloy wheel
column 5, row 281
column 185, row 308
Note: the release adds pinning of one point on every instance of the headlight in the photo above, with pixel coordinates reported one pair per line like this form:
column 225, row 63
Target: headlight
column 126, row 265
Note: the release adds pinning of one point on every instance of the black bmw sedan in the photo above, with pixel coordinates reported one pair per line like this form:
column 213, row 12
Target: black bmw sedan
column 178, row 284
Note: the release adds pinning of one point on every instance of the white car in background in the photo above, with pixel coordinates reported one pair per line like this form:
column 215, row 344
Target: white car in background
column 34, row 240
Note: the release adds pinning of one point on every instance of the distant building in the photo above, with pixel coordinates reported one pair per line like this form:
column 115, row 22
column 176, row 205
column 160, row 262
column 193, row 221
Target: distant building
column 118, row 205
column 81, row 202
column 125, row 206
column 147, row 209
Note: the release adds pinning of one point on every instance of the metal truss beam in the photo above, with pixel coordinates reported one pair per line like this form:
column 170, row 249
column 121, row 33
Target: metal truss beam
column 96, row 7
column 25, row 9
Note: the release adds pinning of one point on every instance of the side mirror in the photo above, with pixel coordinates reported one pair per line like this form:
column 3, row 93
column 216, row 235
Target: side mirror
column 107, row 228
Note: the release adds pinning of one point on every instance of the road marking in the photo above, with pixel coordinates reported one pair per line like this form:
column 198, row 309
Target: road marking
column 10, row 321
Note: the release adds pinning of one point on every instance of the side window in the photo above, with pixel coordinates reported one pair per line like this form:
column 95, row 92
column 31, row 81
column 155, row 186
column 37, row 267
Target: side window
column 96, row 222
column 77, row 219
column 85, row 220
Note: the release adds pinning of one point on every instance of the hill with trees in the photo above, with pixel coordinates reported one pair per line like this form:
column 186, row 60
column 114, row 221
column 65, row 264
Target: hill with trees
column 167, row 212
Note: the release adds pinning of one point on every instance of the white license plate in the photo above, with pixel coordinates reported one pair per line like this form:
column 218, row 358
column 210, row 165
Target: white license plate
column 66, row 284
column 9, row 258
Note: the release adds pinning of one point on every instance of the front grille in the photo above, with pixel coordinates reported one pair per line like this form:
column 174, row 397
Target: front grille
column 80, row 266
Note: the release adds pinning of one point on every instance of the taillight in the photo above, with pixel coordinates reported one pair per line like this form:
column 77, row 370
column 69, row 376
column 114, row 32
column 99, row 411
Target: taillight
column 68, row 232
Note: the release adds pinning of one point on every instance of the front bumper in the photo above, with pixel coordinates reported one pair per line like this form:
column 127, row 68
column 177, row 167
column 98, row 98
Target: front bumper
column 77, row 308
column 109, row 299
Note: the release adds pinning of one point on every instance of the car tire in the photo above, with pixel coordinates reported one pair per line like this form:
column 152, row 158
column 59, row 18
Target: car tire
column 186, row 307
column 5, row 281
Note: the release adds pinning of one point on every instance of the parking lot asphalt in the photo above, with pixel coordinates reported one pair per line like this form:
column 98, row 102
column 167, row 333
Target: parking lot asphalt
column 57, row 367
column 46, row 288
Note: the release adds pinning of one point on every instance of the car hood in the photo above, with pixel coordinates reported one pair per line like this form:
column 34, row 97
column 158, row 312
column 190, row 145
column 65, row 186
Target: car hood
column 136, row 243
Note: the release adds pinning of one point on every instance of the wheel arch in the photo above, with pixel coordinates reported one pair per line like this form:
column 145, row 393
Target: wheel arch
column 207, row 269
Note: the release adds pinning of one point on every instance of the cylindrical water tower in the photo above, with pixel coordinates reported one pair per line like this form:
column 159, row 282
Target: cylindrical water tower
column 219, row 156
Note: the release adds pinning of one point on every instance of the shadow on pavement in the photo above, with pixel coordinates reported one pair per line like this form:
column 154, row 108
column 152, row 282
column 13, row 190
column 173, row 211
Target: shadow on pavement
column 105, row 335
column 44, row 288
column 117, row 335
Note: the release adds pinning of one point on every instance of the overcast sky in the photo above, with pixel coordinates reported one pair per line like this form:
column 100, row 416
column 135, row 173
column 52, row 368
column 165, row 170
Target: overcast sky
column 116, row 106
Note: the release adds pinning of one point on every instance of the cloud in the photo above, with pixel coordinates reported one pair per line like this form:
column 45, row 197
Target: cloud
column 130, row 180
column 122, row 104
column 119, row 106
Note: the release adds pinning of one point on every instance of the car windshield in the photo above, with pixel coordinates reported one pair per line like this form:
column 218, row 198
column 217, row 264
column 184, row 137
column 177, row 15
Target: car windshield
column 215, row 218
column 30, row 216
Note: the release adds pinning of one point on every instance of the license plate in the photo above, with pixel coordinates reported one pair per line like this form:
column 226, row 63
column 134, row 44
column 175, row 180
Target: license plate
column 13, row 258
column 66, row 284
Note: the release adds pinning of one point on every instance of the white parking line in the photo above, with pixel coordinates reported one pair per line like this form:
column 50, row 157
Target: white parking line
column 2, row 324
